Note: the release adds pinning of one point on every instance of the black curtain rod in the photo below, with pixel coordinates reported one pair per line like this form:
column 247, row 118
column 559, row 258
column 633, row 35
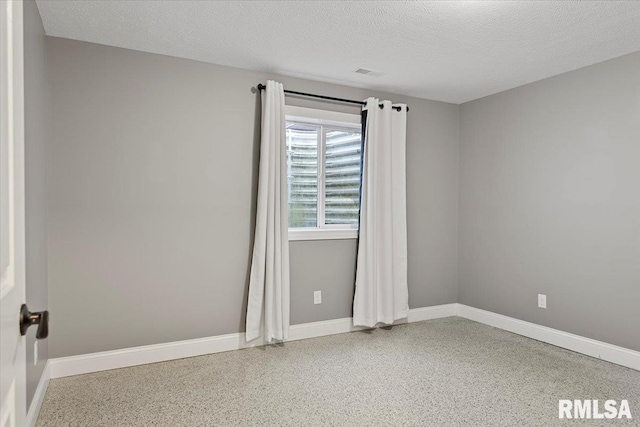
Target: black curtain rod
column 330, row 98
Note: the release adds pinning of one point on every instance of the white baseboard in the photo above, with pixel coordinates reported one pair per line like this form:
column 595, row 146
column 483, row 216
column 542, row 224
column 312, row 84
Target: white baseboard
column 433, row 312
column 321, row 328
column 38, row 397
column 134, row 356
column 102, row 361
column 601, row 350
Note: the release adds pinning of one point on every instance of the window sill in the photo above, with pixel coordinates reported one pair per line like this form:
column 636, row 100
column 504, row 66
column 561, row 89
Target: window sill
column 321, row 234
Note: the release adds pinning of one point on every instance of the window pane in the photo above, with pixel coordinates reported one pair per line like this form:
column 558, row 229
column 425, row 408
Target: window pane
column 302, row 173
column 342, row 171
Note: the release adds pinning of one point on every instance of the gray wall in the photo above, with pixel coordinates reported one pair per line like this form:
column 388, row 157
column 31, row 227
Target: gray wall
column 152, row 176
column 36, row 182
column 550, row 202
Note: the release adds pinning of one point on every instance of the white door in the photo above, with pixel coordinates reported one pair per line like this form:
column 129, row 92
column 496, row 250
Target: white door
column 12, row 238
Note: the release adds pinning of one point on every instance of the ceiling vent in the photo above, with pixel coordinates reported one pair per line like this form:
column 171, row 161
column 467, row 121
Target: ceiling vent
column 367, row 72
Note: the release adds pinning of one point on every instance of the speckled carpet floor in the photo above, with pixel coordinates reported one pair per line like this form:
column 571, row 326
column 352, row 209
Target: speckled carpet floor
column 449, row 372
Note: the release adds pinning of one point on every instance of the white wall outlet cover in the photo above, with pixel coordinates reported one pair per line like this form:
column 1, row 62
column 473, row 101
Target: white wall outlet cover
column 317, row 297
column 542, row 301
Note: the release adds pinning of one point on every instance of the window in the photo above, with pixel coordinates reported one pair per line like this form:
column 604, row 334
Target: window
column 323, row 170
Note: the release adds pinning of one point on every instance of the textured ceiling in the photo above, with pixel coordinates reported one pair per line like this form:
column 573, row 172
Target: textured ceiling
column 447, row 51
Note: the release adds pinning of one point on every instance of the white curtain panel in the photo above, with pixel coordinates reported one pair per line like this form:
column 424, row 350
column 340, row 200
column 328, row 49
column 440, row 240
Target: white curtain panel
column 268, row 305
column 382, row 294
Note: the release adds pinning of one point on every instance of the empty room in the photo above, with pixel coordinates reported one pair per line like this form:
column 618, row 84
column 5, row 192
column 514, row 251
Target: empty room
column 319, row 213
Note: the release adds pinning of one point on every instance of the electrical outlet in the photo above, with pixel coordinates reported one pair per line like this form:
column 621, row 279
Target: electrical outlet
column 317, row 297
column 542, row 301
column 35, row 353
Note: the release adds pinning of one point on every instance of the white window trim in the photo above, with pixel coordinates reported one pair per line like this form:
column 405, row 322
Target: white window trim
column 296, row 234
column 312, row 115
column 330, row 119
